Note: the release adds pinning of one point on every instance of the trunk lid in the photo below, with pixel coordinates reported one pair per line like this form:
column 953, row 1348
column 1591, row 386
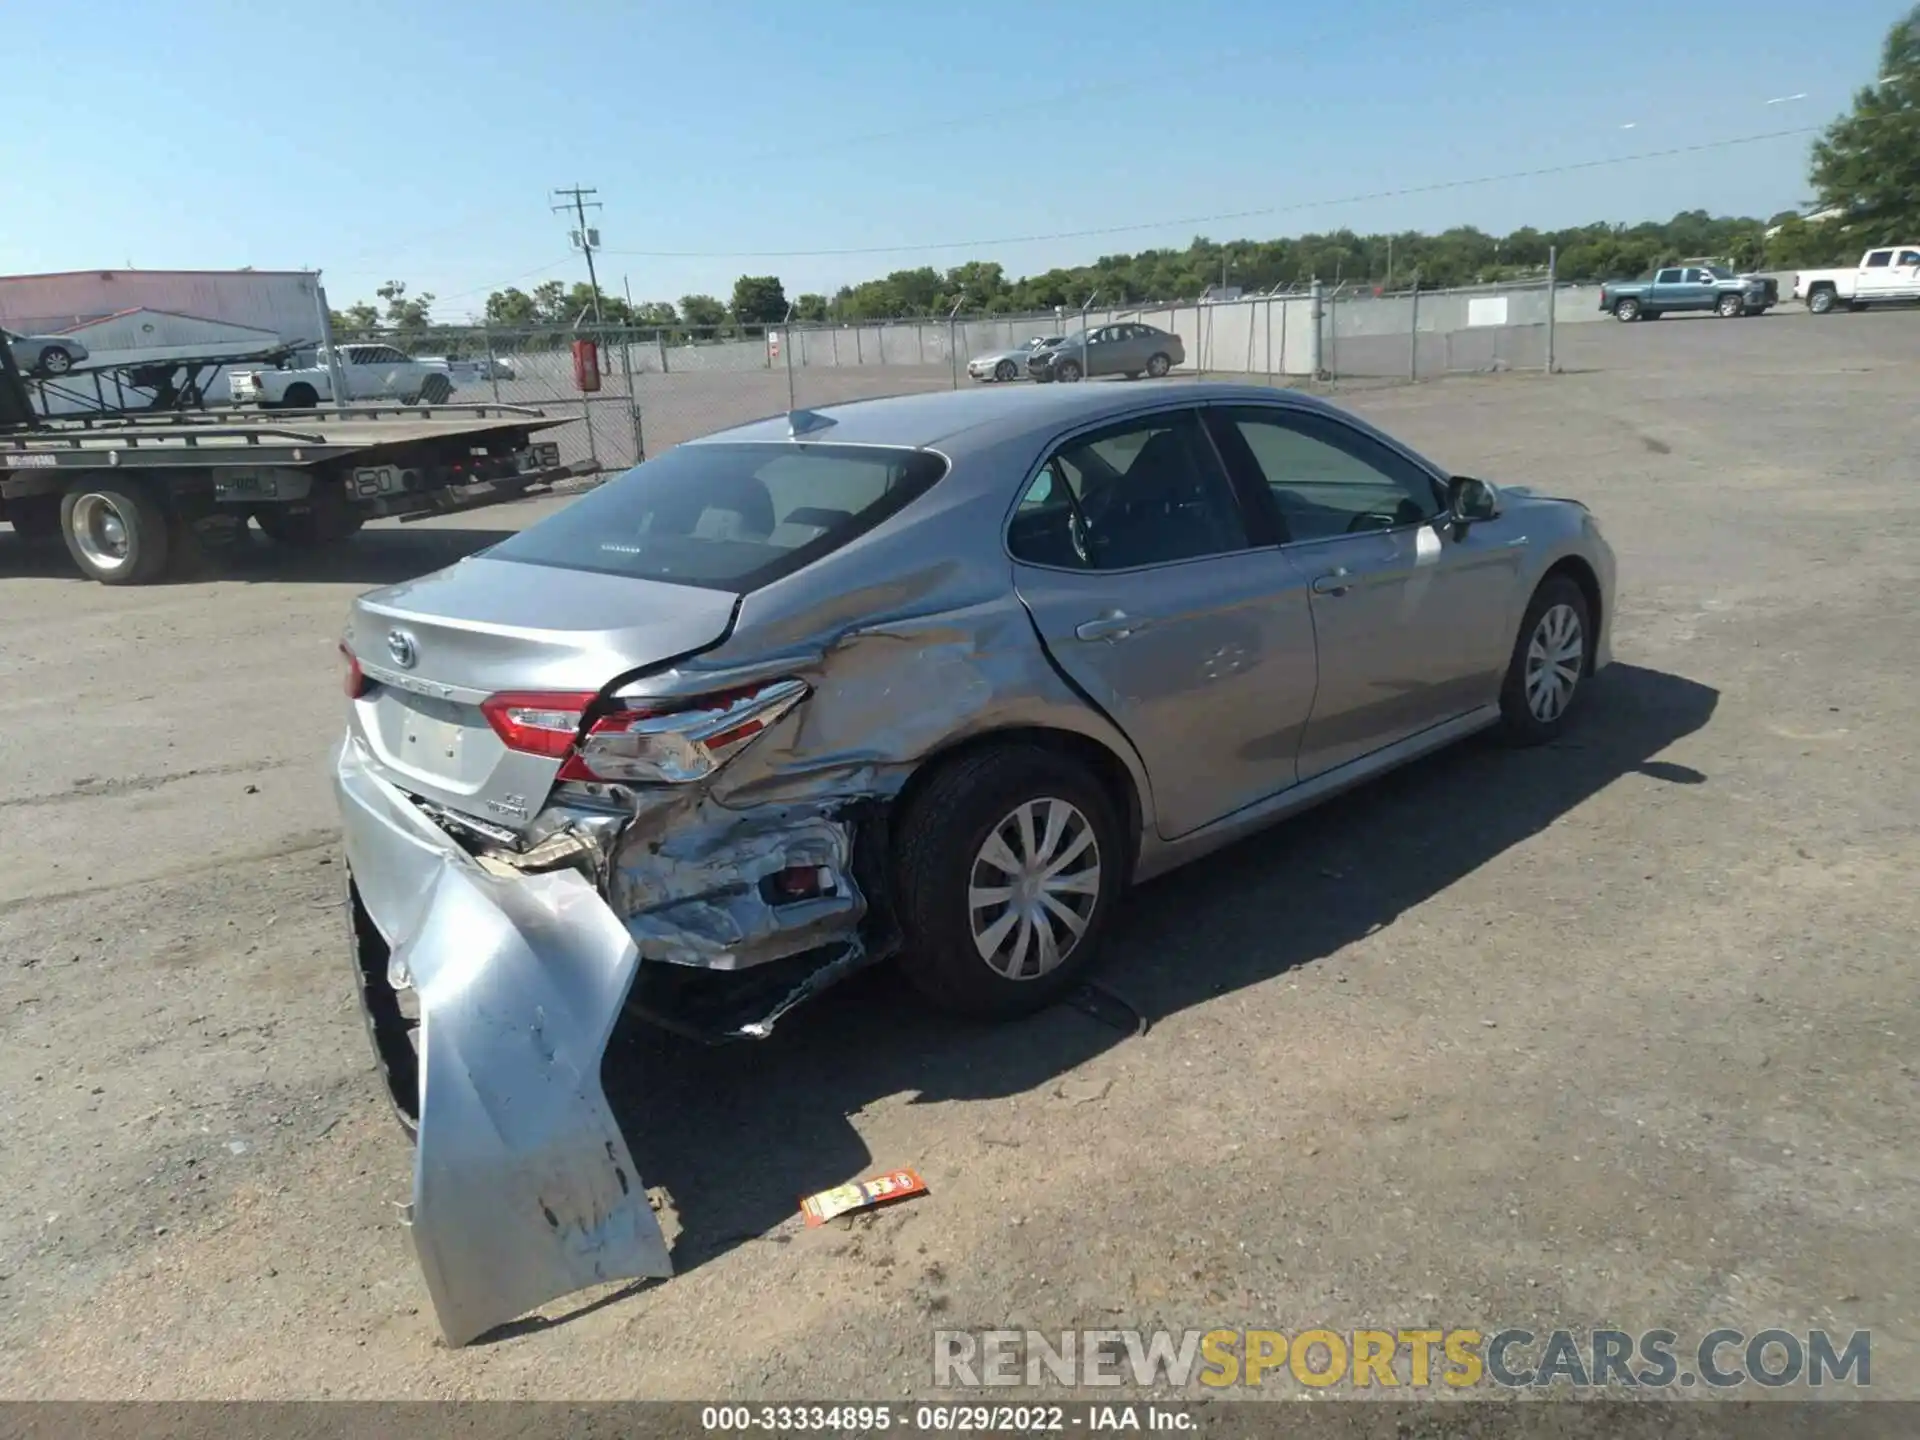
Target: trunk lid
column 434, row 649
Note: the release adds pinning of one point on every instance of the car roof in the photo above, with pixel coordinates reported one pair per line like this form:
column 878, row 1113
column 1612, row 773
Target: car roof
column 957, row 420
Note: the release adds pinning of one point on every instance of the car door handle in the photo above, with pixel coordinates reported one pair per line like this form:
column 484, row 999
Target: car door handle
column 1336, row 582
column 1117, row 625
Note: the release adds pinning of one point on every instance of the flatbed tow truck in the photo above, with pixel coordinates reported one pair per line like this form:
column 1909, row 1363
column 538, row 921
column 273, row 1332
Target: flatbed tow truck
column 134, row 492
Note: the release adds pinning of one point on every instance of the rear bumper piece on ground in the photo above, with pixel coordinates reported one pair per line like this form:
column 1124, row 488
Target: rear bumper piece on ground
column 523, row 1187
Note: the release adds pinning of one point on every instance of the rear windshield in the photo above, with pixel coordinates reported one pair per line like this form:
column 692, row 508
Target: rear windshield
column 728, row 517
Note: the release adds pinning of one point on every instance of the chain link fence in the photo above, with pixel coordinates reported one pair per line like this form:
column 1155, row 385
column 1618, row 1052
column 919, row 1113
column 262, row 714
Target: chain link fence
column 647, row 390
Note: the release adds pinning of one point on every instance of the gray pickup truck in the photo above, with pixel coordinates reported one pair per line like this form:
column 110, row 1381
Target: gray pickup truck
column 1711, row 288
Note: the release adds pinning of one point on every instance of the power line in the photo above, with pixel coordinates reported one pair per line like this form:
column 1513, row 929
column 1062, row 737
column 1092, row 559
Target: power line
column 1214, row 219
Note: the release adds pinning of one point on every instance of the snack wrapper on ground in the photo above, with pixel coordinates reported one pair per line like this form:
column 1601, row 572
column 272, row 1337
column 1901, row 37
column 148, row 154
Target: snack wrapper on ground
column 880, row 1190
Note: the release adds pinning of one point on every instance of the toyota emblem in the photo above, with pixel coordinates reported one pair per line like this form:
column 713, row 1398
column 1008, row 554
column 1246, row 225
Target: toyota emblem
column 400, row 647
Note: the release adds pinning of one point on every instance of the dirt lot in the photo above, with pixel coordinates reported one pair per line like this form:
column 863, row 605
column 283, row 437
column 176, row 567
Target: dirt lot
column 1622, row 1031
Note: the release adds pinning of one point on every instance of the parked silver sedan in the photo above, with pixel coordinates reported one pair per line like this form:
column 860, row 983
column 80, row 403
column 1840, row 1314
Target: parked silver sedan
column 1010, row 364
column 1128, row 349
column 933, row 679
column 43, row 354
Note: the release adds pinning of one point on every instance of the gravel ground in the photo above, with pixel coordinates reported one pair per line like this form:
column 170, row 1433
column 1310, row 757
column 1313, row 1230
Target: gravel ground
column 1622, row 1031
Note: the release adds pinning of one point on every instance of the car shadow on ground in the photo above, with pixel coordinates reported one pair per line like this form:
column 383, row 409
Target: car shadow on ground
column 736, row 1134
column 383, row 556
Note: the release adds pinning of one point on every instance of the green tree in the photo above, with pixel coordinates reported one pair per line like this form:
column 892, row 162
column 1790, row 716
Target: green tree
column 359, row 318
column 1867, row 164
column 408, row 314
column 511, row 309
column 759, row 300
column 704, row 312
column 810, row 307
column 655, row 314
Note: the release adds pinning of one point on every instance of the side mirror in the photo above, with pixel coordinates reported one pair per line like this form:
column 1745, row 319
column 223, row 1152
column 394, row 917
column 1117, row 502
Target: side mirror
column 1470, row 500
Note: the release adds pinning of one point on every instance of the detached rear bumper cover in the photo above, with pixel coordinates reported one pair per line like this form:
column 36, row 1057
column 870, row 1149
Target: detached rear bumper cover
column 523, row 1187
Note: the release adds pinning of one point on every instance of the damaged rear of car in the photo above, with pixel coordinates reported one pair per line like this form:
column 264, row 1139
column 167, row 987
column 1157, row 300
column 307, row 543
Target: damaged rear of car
column 640, row 757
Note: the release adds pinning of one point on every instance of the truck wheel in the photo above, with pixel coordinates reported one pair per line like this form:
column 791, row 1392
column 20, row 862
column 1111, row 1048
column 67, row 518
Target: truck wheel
column 324, row 517
column 436, row 390
column 1820, row 302
column 115, row 530
column 1729, row 306
column 35, row 518
column 301, row 397
column 1626, row 310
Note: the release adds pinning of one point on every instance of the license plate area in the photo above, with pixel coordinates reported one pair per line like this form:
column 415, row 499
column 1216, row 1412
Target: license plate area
column 430, row 743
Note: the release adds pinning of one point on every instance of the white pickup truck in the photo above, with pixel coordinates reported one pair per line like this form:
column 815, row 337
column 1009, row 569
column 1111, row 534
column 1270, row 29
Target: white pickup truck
column 372, row 372
column 1885, row 274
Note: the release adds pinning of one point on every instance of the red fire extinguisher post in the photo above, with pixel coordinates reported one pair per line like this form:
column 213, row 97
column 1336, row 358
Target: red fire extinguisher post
column 586, row 365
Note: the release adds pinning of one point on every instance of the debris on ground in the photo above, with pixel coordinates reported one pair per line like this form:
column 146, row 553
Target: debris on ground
column 842, row 1199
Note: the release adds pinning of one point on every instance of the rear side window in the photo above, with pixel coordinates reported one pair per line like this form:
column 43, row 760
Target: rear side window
column 1667, row 277
column 1879, row 259
column 1143, row 492
column 728, row 517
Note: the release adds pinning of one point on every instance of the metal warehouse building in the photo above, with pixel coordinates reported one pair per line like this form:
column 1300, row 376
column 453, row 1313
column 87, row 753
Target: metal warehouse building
column 279, row 302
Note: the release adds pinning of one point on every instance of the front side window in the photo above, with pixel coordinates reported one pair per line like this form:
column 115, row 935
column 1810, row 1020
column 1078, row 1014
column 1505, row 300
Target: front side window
column 1328, row 479
column 728, row 517
column 1910, row 257
column 1143, row 492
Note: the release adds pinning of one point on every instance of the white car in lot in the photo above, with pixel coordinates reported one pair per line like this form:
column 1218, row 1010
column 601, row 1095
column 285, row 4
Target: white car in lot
column 371, row 372
column 1886, row 274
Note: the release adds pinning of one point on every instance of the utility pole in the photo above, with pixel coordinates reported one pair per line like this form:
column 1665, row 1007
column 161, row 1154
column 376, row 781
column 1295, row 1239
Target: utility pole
column 587, row 240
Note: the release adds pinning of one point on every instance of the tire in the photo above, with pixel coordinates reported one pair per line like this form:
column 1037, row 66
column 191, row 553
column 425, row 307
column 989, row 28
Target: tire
column 1531, row 716
column 1132, row 375
column 1004, row 370
column 939, row 863
column 300, row 397
column 1626, row 311
column 1067, row 371
column 1159, row 365
column 1729, row 307
column 324, row 518
column 35, row 518
column 436, row 390
column 55, row 360
column 1821, row 301
column 115, row 530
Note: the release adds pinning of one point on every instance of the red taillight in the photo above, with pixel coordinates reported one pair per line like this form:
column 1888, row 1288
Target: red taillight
column 659, row 742
column 353, row 681
column 536, row 723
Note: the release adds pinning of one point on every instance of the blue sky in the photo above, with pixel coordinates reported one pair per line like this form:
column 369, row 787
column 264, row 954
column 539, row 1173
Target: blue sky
column 420, row 142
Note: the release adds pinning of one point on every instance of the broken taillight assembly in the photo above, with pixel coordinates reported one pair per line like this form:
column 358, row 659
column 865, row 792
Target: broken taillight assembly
column 353, row 680
column 641, row 742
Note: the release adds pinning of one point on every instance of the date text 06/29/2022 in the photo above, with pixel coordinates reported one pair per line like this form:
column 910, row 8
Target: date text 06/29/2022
column 881, row 1418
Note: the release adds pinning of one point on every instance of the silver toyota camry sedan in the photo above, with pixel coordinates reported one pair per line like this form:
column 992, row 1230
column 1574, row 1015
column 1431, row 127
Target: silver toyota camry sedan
column 930, row 679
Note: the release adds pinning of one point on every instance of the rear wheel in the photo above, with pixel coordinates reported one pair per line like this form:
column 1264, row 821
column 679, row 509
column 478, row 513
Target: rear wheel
column 1159, row 365
column 1626, row 310
column 1007, row 866
column 115, row 530
column 436, row 390
column 55, row 361
column 1820, row 302
column 324, row 517
column 300, row 397
column 1550, row 659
